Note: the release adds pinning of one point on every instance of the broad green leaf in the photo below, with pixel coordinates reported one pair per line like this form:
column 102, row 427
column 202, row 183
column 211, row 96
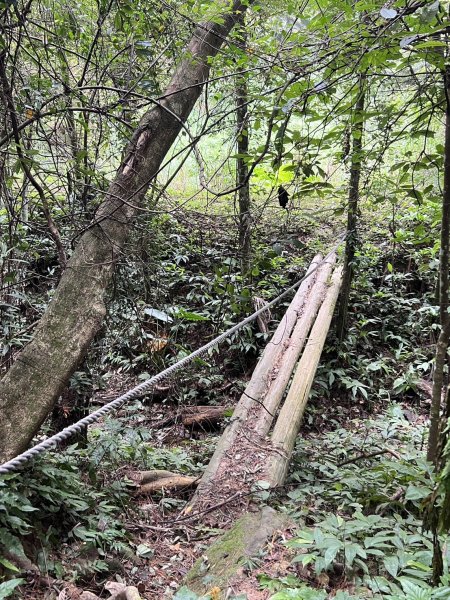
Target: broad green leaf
column 190, row 316
column 9, row 565
column 185, row 593
column 331, row 551
column 351, row 550
column 8, row 587
column 431, row 44
column 391, row 565
column 416, row 492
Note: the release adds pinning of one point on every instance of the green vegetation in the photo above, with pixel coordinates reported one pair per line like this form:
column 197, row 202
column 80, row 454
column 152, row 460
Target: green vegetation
column 140, row 167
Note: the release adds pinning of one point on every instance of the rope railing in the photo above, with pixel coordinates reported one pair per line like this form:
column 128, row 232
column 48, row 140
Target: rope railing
column 145, row 386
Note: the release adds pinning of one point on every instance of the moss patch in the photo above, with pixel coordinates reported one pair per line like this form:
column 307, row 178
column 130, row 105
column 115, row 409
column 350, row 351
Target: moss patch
column 224, row 558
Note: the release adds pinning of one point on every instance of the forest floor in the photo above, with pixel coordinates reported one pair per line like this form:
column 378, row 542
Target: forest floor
column 358, row 477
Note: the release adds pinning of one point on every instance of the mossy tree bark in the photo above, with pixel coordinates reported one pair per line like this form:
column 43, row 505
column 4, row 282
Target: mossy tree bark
column 33, row 384
column 225, row 558
column 352, row 211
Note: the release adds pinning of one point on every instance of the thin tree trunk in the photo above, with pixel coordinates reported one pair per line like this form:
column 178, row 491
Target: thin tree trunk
column 245, row 242
column 33, row 384
column 444, row 264
column 352, row 212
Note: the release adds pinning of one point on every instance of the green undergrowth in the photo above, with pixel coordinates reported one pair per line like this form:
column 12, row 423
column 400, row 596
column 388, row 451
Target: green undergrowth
column 65, row 512
column 389, row 346
column 359, row 521
column 357, row 494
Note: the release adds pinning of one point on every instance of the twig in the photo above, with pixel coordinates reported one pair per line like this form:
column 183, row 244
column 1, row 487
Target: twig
column 364, row 455
column 211, row 508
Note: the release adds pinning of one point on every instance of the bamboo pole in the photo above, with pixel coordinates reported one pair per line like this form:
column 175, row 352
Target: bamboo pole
column 261, row 378
column 290, row 417
column 294, row 348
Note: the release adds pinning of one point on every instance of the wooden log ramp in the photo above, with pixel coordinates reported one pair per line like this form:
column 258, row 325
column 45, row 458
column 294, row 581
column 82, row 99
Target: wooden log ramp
column 248, row 452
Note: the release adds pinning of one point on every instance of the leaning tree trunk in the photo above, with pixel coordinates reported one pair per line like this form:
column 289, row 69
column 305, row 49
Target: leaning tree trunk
column 42, row 370
column 242, row 181
column 352, row 212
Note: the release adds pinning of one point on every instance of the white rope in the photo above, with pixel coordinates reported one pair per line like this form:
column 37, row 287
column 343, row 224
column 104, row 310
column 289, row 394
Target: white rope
column 134, row 393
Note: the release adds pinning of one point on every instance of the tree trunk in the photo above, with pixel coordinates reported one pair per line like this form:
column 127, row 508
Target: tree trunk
column 225, row 558
column 352, row 212
column 245, row 242
column 33, row 384
column 444, row 264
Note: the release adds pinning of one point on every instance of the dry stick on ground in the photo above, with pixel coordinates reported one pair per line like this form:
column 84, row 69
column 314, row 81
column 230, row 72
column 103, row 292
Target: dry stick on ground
column 289, row 420
column 366, row 456
column 260, row 380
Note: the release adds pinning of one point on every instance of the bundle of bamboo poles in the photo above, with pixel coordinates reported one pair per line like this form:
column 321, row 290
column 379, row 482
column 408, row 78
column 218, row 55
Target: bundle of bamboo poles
column 301, row 332
column 293, row 356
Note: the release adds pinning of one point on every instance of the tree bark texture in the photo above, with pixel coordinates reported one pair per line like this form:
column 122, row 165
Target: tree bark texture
column 157, row 480
column 226, row 556
column 444, row 317
column 245, row 242
column 352, row 212
column 42, row 370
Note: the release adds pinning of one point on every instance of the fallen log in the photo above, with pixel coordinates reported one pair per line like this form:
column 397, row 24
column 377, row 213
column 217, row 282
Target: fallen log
column 205, row 414
column 196, row 415
column 158, row 480
column 290, row 417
